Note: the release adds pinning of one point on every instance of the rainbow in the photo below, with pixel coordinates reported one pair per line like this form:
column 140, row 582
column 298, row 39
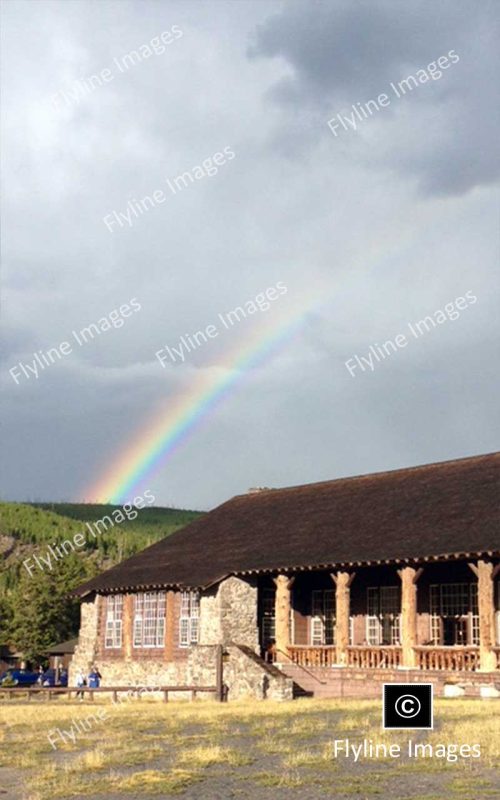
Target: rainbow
column 172, row 426
column 176, row 423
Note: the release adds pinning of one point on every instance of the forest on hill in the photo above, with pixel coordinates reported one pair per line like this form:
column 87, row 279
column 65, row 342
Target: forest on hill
column 35, row 609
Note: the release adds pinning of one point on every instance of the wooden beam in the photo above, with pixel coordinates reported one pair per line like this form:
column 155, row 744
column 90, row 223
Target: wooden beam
column 486, row 608
column 418, row 574
column 127, row 625
column 474, row 569
column 409, row 577
column 219, row 672
column 170, row 625
column 282, row 613
column 342, row 582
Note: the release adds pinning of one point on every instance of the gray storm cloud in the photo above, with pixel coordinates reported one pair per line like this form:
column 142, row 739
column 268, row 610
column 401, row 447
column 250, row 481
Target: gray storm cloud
column 368, row 231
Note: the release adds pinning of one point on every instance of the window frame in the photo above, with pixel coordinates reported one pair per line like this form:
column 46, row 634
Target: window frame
column 322, row 624
column 454, row 601
column 113, row 626
column 189, row 618
column 148, row 628
column 383, row 621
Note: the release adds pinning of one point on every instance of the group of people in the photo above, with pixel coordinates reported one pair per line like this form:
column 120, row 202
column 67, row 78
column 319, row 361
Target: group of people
column 93, row 681
column 52, row 677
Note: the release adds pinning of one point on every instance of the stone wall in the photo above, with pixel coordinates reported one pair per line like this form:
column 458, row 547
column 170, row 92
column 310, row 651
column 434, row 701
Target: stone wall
column 238, row 609
column 228, row 613
column 85, row 651
column 210, row 619
column 245, row 674
column 248, row 676
column 152, row 672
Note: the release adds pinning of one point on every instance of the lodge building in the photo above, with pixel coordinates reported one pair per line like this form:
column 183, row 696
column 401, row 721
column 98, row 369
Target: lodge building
column 341, row 584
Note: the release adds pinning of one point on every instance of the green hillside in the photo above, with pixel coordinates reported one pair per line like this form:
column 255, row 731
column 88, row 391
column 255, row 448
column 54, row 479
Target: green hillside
column 35, row 610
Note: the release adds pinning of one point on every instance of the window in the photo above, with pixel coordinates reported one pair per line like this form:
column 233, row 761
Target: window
column 383, row 618
column 268, row 619
column 189, row 618
column 149, row 619
column 114, row 621
column 454, row 614
column 323, row 617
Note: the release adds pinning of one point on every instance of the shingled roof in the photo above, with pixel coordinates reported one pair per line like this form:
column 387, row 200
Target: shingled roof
column 438, row 511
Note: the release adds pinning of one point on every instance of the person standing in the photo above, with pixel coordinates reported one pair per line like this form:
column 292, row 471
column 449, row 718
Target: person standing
column 80, row 682
column 94, row 678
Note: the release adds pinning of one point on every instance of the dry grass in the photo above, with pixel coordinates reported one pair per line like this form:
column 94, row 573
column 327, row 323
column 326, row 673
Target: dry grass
column 201, row 757
column 145, row 749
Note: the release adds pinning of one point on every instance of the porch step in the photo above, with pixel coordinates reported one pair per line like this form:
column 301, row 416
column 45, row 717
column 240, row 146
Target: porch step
column 328, row 682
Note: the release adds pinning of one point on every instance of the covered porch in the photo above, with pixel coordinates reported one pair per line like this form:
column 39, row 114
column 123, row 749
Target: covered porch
column 433, row 615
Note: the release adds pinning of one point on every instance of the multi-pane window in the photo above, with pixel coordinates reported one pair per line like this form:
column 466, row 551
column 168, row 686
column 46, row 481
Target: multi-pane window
column 114, row 620
column 149, row 619
column 323, row 617
column 268, row 618
column 383, row 618
column 189, row 618
column 454, row 617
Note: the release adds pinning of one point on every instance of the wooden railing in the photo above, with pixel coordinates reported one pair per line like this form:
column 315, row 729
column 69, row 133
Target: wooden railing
column 375, row 657
column 357, row 656
column 447, row 658
column 428, row 657
column 318, row 656
column 49, row 691
column 496, row 650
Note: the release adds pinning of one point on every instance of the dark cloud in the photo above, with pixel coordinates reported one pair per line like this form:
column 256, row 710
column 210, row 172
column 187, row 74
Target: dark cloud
column 338, row 221
column 341, row 53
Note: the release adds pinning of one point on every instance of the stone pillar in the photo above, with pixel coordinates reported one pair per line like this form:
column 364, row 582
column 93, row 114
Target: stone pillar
column 228, row 613
column 409, row 577
column 485, row 573
column 282, row 613
column 342, row 582
column 170, row 625
column 128, row 625
column 86, row 649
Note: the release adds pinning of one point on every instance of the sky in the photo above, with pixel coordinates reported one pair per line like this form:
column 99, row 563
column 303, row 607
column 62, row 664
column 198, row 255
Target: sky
column 371, row 223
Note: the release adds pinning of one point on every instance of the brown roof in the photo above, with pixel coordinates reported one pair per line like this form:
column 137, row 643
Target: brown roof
column 443, row 510
column 63, row 648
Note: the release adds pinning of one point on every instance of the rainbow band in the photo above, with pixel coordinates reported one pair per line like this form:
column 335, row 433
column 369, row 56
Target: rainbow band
column 173, row 426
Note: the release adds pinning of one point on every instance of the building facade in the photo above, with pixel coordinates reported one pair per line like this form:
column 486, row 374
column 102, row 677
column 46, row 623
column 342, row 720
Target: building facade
column 316, row 586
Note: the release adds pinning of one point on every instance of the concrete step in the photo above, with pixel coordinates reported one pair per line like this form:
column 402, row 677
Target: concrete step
column 367, row 684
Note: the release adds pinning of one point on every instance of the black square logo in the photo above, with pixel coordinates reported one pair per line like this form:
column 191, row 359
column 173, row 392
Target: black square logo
column 407, row 705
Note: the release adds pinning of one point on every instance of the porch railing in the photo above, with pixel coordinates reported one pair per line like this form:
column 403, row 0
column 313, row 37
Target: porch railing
column 375, row 657
column 317, row 656
column 447, row 658
column 357, row 656
column 428, row 657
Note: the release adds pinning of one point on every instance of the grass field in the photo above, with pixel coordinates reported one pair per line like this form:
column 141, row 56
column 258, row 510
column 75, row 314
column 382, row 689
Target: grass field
column 149, row 749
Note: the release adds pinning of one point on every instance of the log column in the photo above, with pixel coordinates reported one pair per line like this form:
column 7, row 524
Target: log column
column 409, row 577
column 282, row 613
column 342, row 582
column 128, row 624
column 170, row 625
column 486, row 573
